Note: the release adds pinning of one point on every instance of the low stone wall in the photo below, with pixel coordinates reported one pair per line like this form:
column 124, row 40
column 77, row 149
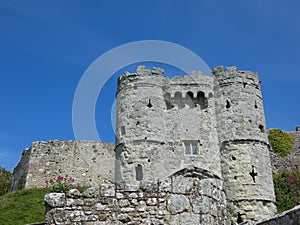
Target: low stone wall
column 199, row 202
column 289, row 217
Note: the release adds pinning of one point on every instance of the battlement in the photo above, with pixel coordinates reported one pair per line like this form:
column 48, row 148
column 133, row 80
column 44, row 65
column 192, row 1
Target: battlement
column 232, row 75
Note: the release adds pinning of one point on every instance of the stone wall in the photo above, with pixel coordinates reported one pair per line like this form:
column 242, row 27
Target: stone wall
column 289, row 217
column 290, row 162
column 87, row 162
column 197, row 202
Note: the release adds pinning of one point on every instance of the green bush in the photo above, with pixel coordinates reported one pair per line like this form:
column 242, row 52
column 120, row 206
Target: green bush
column 287, row 190
column 5, row 180
column 281, row 141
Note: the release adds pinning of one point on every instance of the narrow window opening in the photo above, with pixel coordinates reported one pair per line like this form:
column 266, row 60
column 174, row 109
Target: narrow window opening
column 178, row 100
column 201, row 100
column 149, row 160
column 239, row 218
column 190, row 95
column 167, row 98
column 191, row 148
column 253, row 174
column 187, row 149
column 169, row 105
column 261, row 127
column 244, row 84
column 139, row 172
column 227, row 104
column 149, row 104
column 123, row 130
column 190, row 99
column 235, row 177
column 233, row 157
column 255, row 105
column 194, row 149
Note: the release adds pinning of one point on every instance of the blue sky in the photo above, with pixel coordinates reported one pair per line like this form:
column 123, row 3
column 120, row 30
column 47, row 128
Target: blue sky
column 46, row 46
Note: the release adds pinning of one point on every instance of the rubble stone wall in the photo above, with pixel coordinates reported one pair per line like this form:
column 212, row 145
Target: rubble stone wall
column 289, row 217
column 200, row 202
column 88, row 162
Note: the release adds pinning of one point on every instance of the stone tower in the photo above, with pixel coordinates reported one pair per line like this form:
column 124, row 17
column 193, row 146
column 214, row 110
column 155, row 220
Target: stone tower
column 164, row 126
column 244, row 145
column 140, row 128
column 197, row 127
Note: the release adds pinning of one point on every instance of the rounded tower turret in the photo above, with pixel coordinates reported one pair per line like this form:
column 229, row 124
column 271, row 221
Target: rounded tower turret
column 245, row 161
column 140, row 127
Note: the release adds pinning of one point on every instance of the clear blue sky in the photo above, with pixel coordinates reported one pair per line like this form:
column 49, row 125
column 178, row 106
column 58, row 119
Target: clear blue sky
column 46, row 46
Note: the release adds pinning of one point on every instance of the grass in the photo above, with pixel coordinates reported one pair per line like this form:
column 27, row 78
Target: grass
column 23, row 207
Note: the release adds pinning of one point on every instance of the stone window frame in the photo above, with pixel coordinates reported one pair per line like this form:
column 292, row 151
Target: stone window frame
column 191, row 147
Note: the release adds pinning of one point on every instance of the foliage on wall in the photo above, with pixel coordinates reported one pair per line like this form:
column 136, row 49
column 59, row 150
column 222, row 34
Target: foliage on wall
column 287, row 190
column 281, row 141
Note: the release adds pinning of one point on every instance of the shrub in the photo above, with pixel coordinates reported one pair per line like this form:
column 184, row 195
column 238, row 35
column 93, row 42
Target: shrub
column 5, row 180
column 287, row 190
column 281, row 141
column 61, row 184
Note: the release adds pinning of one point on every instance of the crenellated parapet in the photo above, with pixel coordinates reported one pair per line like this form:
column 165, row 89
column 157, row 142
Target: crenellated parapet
column 238, row 77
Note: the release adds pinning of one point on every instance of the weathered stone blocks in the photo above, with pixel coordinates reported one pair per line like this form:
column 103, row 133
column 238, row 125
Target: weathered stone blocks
column 139, row 205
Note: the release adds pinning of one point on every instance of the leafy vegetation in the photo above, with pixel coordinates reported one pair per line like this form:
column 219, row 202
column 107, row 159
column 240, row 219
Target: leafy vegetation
column 287, row 190
column 23, row 207
column 5, row 180
column 61, row 184
column 281, row 141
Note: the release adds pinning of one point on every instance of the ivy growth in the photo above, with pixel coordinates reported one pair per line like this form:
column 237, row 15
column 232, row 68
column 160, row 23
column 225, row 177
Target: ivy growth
column 281, row 142
column 287, row 190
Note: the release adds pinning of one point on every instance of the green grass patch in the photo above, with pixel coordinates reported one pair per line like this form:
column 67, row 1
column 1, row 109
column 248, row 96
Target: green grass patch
column 23, row 207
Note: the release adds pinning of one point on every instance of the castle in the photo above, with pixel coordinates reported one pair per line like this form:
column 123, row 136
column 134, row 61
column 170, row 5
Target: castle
column 192, row 133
